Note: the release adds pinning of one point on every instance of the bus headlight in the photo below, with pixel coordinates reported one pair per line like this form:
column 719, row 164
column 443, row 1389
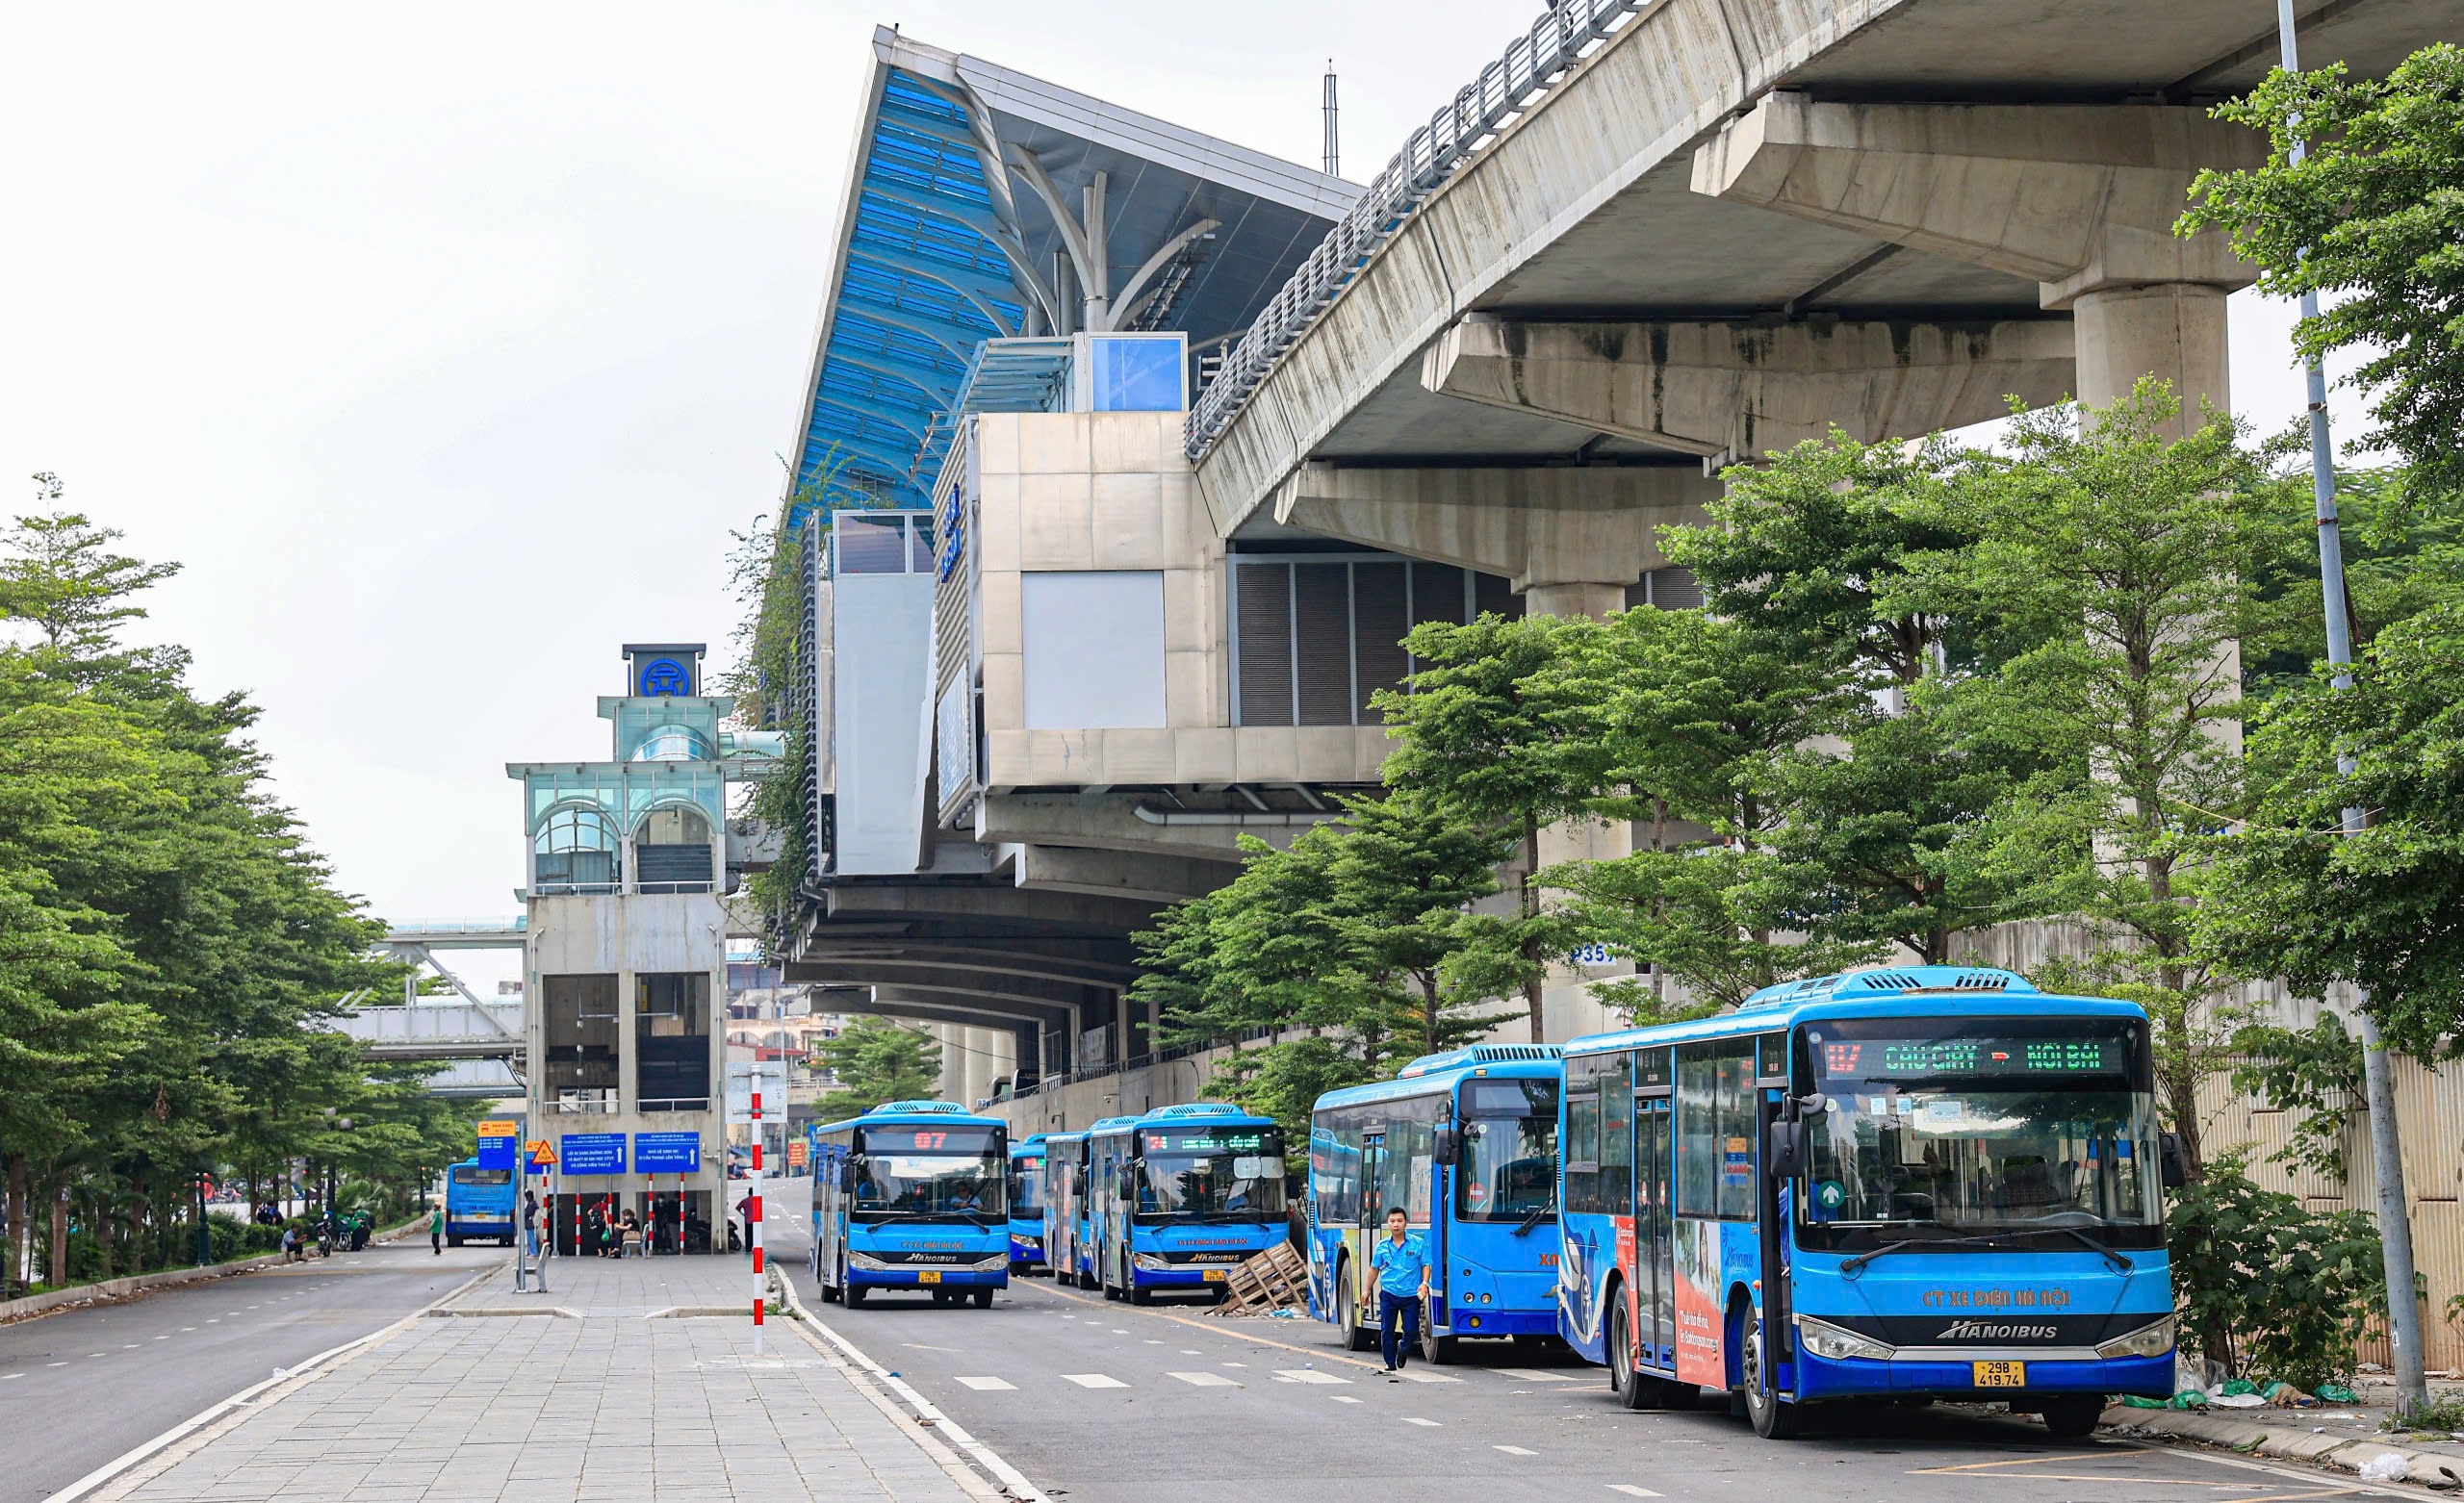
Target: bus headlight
column 1153, row 1262
column 997, row 1264
column 2152, row 1341
column 1837, row 1343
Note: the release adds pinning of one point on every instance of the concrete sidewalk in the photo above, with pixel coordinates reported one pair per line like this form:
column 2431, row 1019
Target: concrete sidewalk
column 612, row 1386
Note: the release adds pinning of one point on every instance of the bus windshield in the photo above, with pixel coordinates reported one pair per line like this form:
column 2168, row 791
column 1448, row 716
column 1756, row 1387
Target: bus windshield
column 1026, row 1188
column 1509, row 1156
column 1230, row 1174
column 947, row 1174
column 1955, row 1126
column 465, row 1174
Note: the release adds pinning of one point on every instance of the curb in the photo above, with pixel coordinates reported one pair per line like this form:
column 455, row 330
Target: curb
column 2288, row 1440
column 111, row 1290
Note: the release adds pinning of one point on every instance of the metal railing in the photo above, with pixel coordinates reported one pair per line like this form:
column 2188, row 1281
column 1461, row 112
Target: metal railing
column 1532, row 66
column 1056, row 1079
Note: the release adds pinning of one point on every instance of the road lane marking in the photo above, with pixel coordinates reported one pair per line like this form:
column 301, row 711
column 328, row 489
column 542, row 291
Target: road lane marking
column 1513, row 1450
column 1306, row 1375
column 1414, row 1419
column 1151, row 1341
column 1344, row 1398
column 1632, row 1492
column 990, row 1384
column 1235, row 1364
column 1409, row 1376
column 55, row 1364
column 1535, row 1375
column 6, row 1376
column 1118, row 1331
column 187, row 1328
column 1094, row 1380
column 1191, row 1351
column 1204, row 1379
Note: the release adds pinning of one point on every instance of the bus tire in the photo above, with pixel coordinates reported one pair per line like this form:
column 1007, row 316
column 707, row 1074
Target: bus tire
column 1626, row 1379
column 852, row 1296
column 2073, row 1416
column 983, row 1299
column 1774, row 1418
column 1356, row 1337
column 1443, row 1350
column 450, row 1240
column 1139, row 1294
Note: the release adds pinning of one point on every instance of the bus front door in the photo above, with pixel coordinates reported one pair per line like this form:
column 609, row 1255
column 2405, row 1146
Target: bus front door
column 1658, row 1251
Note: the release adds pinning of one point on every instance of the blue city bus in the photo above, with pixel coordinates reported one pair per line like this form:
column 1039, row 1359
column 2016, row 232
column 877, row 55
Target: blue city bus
column 1466, row 1142
column 1914, row 1183
column 1066, row 1244
column 478, row 1203
column 1180, row 1196
column 1026, row 1206
column 910, row 1196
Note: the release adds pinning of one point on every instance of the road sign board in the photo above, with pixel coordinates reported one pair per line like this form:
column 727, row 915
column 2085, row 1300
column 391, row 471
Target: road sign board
column 499, row 1127
column 542, row 1152
column 496, row 1143
column 593, row 1153
column 667, row 1153
column 796, row 1152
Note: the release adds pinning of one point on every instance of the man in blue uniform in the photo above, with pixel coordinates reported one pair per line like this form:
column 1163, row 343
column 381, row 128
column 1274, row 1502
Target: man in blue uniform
column 1401, row 1261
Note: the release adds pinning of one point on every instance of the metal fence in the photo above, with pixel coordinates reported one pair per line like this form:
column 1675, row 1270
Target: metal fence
column 1532, row 66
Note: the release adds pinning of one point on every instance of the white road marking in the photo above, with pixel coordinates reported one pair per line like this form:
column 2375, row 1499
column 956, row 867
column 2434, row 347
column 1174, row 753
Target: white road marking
column 1094, row 1380
column 1513, row 1450
column 1413, row 1419
column 1118, row 1331
column 55, row 1364
column 90, row 1355
column 211, row 1320
column 1306, row 1375
column 1153, row 1342
column 1535, row 1375
column 1204, row 1379
column 1632, row 1492
column 918, row 1346
column 1235, row 1364
column 1344, row 1398
column 128, row 1346
column 6, row 1376
column 1409, row 1376
column 187, row 1328
column 1191, row 1351
column 990, row 1384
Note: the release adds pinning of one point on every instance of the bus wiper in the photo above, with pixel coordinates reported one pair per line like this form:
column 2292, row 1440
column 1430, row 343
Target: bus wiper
column 968, row 1217
column 2120, row 1264
column 1533, row 1220
column 1850, row 1268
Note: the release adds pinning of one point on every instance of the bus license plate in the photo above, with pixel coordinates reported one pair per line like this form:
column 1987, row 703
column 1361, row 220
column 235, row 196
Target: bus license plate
column 2001, row 1375
column 933, row 1276
column 1214, row 1276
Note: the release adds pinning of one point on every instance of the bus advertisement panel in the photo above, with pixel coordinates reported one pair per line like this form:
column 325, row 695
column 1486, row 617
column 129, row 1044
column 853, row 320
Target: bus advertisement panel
column 1026, row 1206
column 1919, row 1182
column 1181, row 1195
column 912, row 1195
column 1466, row 1143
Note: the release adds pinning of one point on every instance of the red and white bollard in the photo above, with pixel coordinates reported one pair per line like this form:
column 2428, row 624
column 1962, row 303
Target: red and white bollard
column 753, row 1222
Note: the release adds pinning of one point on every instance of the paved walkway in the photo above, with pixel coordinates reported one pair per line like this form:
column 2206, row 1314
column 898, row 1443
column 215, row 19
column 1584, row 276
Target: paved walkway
column 579, row 1394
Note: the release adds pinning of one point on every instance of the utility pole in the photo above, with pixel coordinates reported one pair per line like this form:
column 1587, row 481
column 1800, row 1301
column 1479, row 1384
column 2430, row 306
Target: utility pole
column 1334, row 156
column 2378, row 1086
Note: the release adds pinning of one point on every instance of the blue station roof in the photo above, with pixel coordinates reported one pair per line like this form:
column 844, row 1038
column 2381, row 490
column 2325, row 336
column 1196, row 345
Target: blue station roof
column 947, row 238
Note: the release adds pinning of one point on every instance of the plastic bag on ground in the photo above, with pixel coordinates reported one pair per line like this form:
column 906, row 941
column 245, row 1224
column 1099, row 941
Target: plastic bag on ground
column 2187, row 1398
column 2386, row 1466
column 2235, row 1387
column 2134, row 1401
column 2335, row 1394
column 2237, row 1401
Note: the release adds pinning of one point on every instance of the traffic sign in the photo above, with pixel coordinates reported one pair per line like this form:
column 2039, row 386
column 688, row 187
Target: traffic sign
column 796, row 1152
column 499, row 1127
column 542, row 1152
column 496, row 1143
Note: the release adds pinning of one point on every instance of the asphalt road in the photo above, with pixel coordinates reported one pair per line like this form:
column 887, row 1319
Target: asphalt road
column 1106, row 1403
column 82, row 1387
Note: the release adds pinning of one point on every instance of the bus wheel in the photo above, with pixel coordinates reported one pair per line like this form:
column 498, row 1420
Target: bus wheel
column 2072, row 1416
column 848, row 1289
column 1634, row 1390
column 452, row 1241
column 983, row 1299
column 1443, row 1350
column 1774, row 1418
column 1139, row 1295
column 1356, row 1337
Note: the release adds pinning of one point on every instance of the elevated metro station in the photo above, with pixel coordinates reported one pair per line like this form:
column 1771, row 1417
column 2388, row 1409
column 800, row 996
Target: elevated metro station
column 1135, row 453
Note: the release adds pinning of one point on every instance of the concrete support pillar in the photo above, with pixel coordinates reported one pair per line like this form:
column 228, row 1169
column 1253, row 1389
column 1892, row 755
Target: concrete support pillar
column 1594, row 600
column 2080, row 199
column 2172, row 329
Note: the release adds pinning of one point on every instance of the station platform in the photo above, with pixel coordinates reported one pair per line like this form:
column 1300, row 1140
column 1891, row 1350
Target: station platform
column 622, row 1382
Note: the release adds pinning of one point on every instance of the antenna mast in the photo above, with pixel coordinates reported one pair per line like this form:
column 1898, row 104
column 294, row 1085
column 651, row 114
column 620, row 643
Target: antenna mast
column 1334, row 156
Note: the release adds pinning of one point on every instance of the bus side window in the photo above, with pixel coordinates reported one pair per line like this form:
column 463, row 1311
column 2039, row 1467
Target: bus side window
column 1581, row 1146
column 1616, row 1191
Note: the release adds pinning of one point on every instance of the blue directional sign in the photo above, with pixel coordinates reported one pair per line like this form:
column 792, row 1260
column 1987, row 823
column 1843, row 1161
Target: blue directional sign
column 592, row 1152
column 667, row 1153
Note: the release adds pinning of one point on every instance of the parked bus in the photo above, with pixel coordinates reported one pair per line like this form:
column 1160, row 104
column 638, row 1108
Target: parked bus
column 1180, row 1196
column 1914, row 1182
column 1026, row 1206
column 478, row 1203
column 1065, row 1239
column 910, row 1196
column 1466, row 1142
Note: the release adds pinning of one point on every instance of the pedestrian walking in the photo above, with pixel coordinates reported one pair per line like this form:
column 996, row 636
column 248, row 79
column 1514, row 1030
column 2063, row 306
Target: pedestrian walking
column 1401, row 1261
column 436, row 1229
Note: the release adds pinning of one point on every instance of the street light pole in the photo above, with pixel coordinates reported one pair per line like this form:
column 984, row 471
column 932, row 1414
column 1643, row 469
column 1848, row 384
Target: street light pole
column 2378, row 1086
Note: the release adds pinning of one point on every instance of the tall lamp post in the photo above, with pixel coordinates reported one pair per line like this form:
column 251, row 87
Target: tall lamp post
column 2378, row 1085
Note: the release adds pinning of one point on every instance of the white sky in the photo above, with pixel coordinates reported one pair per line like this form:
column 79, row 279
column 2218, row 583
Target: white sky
column 445, row 345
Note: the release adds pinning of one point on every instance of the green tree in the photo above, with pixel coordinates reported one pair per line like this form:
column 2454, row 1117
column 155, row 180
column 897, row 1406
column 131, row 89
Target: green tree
column 2112, row 559
column 1486, row 736
column 876, row 1060
column 2266, row 1286
column 2371, row 220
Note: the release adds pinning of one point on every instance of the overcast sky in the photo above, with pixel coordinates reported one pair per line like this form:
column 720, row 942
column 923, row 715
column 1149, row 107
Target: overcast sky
column 445, row 344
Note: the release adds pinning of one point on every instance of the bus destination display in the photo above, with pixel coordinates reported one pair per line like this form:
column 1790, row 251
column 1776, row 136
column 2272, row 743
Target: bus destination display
column 928, row 1140
column 1214, row 1140
column 1903, row 1058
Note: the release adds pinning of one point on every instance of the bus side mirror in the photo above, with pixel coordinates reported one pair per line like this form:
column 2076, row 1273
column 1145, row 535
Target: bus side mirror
column 847, row 1177
column 1442, row 1147
column 1784, row 1150
column 2176, row 1164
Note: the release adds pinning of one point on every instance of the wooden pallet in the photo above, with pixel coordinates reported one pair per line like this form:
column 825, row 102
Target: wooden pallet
column 1276, row 1279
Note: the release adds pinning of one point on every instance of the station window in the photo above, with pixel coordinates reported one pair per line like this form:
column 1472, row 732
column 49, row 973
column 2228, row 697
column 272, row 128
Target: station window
column 672, row 1040
column 1137, row 375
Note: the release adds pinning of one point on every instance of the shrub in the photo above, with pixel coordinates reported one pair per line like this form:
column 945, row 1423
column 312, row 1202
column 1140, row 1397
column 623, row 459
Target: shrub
column 2271, row 1286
